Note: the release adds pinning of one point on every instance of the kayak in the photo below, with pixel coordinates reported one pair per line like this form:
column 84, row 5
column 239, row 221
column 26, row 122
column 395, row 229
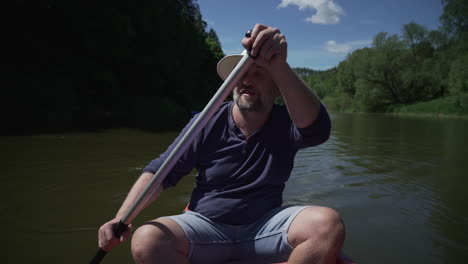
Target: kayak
column 342, row 259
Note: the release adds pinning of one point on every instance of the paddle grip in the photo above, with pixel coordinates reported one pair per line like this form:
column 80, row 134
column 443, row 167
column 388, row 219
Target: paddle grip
column 100, row 254
column 120, row 229
column 248, row 34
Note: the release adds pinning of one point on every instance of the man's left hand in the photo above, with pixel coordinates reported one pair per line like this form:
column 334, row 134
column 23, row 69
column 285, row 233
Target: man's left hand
column 267, row 45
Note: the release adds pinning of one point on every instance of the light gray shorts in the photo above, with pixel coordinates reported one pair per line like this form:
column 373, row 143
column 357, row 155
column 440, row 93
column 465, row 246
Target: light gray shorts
column 264, row 241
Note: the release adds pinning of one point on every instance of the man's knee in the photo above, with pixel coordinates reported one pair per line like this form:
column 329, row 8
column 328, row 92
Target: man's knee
column 156, row 238
column 321, row 223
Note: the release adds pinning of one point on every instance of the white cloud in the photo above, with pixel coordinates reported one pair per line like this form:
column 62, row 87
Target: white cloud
column 328, row 12
column 334, row 47
column 346, row 47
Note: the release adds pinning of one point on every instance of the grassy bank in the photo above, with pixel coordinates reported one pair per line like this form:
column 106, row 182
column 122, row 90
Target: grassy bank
column 446, row 106
column 451, row 105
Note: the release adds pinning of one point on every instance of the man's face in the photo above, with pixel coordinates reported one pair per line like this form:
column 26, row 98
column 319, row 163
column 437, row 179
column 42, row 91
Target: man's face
column 256, row 92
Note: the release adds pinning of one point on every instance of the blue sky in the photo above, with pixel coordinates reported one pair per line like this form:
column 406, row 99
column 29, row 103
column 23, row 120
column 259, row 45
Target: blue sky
column 320, row 33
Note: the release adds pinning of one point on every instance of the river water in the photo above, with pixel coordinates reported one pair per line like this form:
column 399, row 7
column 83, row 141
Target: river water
column 400, row 184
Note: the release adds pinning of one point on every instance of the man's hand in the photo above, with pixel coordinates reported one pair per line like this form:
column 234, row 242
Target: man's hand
column 268, row 46
column 107, row 239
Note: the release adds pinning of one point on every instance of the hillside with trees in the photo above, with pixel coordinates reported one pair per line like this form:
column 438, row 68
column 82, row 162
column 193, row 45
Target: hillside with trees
column 86, row 65
column 419, row 70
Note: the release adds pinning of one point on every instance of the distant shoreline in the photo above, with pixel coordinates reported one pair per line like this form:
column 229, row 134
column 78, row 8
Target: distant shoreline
column 449, row 106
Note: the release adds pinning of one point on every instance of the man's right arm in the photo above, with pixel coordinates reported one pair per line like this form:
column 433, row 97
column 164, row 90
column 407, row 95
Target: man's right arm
column 107, row 239
column 138, row 188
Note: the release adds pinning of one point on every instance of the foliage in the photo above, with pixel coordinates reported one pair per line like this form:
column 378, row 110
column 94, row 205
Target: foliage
column 419, row 65
column 94, row 64
column 455, row 16
column 458, row 75
column 449, row 105
column 321, row 81
column 304, row 72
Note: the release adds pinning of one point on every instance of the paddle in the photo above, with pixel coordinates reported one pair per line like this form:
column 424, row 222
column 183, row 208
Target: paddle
column 189, row 136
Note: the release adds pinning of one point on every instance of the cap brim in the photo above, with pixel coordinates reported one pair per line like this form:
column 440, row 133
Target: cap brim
column 227, row 64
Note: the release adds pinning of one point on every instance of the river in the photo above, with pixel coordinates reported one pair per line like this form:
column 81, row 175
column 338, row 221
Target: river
column 399, row 183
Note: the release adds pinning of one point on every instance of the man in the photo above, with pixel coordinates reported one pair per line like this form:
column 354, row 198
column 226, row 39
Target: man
column 244, row 156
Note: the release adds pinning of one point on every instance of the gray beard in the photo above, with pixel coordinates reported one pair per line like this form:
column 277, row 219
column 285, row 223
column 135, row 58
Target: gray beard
column 248, row 106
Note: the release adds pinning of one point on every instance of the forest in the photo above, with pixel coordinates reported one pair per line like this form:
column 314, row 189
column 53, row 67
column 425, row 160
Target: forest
column 90, row 65
column 418, row 71
column 81, row 65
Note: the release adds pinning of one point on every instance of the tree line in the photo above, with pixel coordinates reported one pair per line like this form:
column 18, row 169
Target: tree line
column 417, row 65
column 81, row 64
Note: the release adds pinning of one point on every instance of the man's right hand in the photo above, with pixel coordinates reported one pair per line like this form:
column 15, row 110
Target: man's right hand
column 106, row 237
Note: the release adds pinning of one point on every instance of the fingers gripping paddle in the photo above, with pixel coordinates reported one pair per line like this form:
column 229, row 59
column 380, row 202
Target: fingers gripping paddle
column 183, row 144
column 101, row 253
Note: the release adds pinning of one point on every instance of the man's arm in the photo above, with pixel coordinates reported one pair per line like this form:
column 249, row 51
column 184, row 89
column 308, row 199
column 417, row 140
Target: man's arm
column 135, row 191
column 303, row 105
column 269, row 47
column 184, row 165
column 106, row 238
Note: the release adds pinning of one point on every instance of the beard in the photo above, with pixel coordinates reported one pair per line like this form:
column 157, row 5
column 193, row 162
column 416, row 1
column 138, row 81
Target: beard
column 250, row 104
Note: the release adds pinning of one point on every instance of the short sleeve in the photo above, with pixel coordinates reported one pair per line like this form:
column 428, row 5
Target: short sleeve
column 316, row 133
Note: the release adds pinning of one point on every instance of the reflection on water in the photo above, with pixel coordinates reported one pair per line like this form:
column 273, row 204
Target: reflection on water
column 399, row 183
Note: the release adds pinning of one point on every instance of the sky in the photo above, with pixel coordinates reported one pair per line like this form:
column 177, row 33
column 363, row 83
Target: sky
column 320, row 33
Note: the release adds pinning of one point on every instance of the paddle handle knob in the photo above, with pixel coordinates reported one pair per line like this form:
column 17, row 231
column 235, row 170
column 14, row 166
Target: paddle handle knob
column 248, row 34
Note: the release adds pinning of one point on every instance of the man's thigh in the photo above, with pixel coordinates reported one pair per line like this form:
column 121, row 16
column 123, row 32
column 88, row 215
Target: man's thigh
column 262, row 242
column 270, row 234
column 209, row 242
column 163, row 231
column 312, row 222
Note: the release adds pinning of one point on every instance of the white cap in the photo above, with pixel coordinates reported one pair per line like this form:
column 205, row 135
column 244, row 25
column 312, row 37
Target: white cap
column 227, row 64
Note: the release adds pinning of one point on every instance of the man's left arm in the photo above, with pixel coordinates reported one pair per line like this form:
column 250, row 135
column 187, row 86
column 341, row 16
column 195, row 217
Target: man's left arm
column 302, row 103
column 304, row 107
column 269, row 47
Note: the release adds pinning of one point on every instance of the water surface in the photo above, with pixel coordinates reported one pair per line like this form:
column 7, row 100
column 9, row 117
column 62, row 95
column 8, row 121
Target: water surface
column 399, row 183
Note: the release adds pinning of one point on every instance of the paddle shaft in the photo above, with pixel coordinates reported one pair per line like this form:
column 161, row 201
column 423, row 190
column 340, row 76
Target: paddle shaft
column 150, row 189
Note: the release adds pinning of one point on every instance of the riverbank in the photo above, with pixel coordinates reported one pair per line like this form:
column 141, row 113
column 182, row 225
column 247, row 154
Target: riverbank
column 450, row 106
column 446, row 106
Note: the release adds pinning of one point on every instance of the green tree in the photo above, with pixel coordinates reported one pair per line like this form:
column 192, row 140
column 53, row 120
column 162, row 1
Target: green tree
column 93, row 64
column 346, row 76
column 413, row 35
column 455, row 16
column 214, row 45
column 458, row 76
column 419, row 65
column 386, row 65
column 438, row 39
column 305, row 72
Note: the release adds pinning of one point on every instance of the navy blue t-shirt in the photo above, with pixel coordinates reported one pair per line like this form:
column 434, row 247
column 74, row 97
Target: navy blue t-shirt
column 240, row 179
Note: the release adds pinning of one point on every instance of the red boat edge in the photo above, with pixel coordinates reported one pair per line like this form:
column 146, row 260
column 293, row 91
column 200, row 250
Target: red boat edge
column 342, row 259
